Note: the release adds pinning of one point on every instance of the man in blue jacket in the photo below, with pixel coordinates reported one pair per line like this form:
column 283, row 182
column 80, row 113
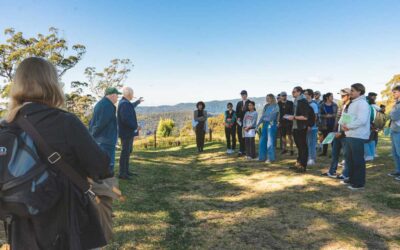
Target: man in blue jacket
column 103, row 126
column 127, row 129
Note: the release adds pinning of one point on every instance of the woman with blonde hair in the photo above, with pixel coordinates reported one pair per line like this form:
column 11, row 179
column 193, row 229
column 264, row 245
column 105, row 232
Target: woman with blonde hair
column 269, row 120
column 71, row 222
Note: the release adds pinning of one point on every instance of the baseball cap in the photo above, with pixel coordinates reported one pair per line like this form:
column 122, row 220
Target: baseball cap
column 112, row 90
column 345, row 91
column 283, row 93
column 244, row 92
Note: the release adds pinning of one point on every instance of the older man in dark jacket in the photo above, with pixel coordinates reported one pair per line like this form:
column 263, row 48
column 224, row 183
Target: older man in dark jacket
column 127, row 129
column 103, row 126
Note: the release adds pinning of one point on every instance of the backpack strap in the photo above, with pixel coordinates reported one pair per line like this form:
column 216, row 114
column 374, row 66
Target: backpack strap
column 54, row 158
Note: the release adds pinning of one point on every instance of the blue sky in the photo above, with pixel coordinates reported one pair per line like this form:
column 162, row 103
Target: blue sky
column 185, row 51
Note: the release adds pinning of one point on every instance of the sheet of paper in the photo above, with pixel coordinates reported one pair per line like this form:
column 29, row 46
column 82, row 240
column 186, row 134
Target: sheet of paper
column 329, row 138
column 250, row 133
column 346, row 119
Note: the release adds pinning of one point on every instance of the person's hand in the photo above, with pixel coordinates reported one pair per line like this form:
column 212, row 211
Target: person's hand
column 290, row 117
column 141, row 99
column 229, row 119
column 345, row 128
column 238, row 119
column 338, row 135
column 139, row 128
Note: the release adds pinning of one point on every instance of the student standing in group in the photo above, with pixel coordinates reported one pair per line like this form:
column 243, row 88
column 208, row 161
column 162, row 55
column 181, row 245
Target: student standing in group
column 339, row 140
column 103, row 125
column 269, row 119
column 300, row 127
column 317, row 97
column 328, row 111
column 241, row 108
column 395, row 132
column 249, row 127
column 312, row 131
column 72, row 221
column 230, row 128
column 285, row 125
column 128, row 128
column 370, row 146
column 357, row 132
column 200, row 117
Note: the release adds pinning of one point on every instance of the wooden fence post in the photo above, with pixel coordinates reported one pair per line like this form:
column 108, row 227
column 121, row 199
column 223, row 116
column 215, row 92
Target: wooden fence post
column 155, row 138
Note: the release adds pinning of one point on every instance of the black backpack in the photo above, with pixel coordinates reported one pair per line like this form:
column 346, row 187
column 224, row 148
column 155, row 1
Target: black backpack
column 29, row 184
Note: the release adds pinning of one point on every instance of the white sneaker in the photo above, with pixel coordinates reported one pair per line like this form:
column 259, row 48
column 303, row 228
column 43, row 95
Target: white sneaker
column 268, row 162
column 376, row 155
column 311, row 162
column 369, row 158
column 228, row 151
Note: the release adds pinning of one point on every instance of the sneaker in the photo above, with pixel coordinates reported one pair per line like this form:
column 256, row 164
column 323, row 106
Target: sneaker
column 397, row 178
column 376, row 156
column 354, row 188
column 345, row 182
column 268, row 162
column 310, row 163
column 394, row 174
column 329, row 175
column 369, row 158
column 228, row 151
column 342, row 177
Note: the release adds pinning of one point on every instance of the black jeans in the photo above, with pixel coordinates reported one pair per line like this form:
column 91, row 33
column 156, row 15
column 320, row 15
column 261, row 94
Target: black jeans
column 242, row 145
column 354, row 158
column 127, row 146
column 300, row 138
column 250, row 147
column 200, row 135
column 230, row 134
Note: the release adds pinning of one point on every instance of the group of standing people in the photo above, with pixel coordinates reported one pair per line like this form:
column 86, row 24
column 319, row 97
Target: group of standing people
column 312, row 124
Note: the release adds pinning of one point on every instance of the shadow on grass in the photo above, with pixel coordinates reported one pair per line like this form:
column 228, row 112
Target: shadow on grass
column 182, row 200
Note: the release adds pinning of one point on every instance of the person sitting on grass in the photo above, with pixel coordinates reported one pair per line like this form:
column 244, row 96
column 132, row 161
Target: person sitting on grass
column 230, row 128
column 269, row 119
column 249, row 127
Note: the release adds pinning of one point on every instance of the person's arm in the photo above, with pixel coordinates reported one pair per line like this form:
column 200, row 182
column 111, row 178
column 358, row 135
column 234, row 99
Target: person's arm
column 302, row 116
column 105, row 116
column 135, row 104
column 90, row 157
column 238, row 110
column 362, row 118
column 255, row 118
column 126, row 115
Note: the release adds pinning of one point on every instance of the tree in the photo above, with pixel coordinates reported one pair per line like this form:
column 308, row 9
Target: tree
column 165, row 127
column 216, row 123
column 50, row 46
column 111, row 76
column 387, row 92
column 78, row 103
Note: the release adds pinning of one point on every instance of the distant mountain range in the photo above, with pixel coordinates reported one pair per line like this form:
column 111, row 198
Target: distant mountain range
column 213, row 107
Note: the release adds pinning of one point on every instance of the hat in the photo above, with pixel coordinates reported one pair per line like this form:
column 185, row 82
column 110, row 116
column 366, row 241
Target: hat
column 244, row 92
column 283, row 93
column 112, row 90
column 345, row 91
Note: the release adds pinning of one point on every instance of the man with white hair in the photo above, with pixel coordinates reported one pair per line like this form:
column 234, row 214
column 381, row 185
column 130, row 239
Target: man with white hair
column 127, row 129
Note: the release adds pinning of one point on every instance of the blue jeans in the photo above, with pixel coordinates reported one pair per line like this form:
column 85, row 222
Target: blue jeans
column 338, row 144
column 354, row 157
column 127, row 146
column 312, row 143
column 369, row 149
column 110, row 150
column 267, row 142
column 395, row 136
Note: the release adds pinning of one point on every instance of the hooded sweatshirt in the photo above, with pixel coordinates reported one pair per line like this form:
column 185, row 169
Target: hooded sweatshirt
column 395, row 118
column 360, row 126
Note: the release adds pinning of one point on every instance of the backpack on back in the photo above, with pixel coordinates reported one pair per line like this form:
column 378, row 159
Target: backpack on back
column 378, row 119
column 27, row 186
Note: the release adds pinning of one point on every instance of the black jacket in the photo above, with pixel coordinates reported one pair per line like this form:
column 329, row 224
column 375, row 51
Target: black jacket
column 240, row 110
column 285, row 108
column 302, row 109
column 127, row 121
column 73, row 222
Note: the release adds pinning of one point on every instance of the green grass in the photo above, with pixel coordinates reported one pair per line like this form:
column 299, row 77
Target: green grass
column 183, row 200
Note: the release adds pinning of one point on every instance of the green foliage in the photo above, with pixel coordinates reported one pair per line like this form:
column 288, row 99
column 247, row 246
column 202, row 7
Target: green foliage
column 216, row 123
column 78, row 103
column 112, row 76
column 387, row 95
column 165, row 127
column 50, row 46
